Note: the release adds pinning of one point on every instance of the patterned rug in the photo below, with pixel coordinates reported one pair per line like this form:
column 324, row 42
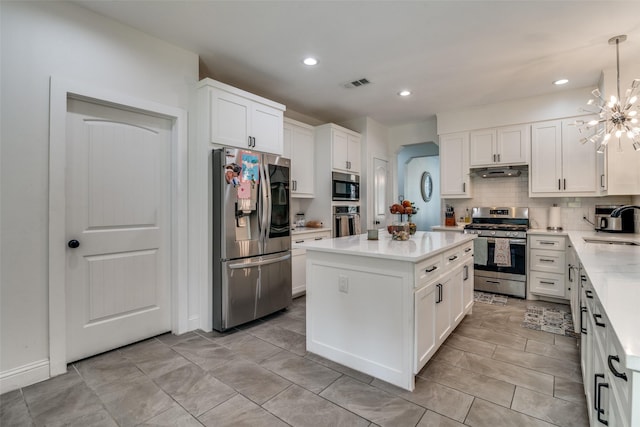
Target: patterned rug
column 549, row 320
column 486, row 298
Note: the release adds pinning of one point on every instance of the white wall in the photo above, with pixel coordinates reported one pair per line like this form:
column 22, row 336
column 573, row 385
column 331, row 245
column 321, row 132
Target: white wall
column 40, row 39
column 565, row 103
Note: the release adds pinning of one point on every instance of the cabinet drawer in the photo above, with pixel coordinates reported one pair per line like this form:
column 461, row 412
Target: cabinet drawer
column 428, row 270
column 467, row 250
column 306, row 237
column 551, row 284
column 621, row 377
column 453, row 257
column 552, row 243
column 548, row 261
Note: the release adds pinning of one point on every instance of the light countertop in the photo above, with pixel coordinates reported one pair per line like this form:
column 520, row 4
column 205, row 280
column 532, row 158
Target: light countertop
column 614, row 271
column 420, row 246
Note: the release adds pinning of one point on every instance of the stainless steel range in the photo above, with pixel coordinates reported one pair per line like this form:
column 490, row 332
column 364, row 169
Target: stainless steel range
column 500, row 250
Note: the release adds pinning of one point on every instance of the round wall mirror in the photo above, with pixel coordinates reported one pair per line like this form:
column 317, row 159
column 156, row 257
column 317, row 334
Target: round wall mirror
column 426, row 186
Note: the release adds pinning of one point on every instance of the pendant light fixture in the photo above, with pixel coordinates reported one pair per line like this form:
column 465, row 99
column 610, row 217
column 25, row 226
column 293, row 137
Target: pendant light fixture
column 616, row 117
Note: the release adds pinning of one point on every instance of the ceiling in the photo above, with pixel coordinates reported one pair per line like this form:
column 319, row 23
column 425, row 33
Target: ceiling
column 450, row 54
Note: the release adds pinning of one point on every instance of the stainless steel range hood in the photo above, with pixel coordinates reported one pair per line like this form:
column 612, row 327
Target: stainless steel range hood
column 500, row 172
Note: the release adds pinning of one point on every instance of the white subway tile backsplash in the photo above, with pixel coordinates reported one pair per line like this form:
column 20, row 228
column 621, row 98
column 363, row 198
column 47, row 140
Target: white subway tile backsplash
column 515, row 192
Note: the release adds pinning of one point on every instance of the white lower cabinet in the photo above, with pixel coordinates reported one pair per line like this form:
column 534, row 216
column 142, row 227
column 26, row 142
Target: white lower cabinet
column 425, row 325
column 299, row 260
column 608, row 385
column 444, row 294
column 547, row 266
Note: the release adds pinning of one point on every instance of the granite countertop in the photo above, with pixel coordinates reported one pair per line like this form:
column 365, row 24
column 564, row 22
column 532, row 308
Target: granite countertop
column 422, row 245
column 614, row 271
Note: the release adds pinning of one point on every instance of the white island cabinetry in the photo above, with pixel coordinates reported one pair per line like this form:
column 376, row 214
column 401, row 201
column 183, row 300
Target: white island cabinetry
column 408, row 295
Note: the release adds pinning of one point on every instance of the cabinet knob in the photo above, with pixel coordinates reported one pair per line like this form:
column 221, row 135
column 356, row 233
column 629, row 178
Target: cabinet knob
column 73, row 244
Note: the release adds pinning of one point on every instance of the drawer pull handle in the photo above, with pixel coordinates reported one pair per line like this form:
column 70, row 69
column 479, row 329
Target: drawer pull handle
column 613, row 370
column 453, row 257
column 547, row 260
column 542, row 242
column 582, row 328
column 430, row 270
column 493, row 282
column 299, row 241
column 318, row 238
column 545, row 282
column 589, row 294
column 467, row 250
column 596, row 400
column 595, row 319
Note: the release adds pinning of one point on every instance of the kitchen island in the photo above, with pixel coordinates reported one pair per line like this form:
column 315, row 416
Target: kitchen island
column 383, row 307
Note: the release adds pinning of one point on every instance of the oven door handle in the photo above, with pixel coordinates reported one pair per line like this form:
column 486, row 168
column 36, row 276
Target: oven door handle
column 520, row 242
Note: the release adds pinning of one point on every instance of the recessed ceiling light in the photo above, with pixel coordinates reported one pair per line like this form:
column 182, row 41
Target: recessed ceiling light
column 561, row 82
column 404, row 93
column 310, row 61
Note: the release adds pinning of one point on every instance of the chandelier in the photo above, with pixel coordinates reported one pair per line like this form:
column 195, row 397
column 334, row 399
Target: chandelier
column 616, row 117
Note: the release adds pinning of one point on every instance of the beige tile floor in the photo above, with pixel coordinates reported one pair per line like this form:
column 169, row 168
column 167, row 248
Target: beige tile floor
column 490, row 372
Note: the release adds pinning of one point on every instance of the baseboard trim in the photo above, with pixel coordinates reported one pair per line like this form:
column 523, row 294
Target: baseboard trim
column 24, row 375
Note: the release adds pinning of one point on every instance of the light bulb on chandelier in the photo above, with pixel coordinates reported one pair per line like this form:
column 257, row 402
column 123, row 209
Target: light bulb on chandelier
column 616, row 117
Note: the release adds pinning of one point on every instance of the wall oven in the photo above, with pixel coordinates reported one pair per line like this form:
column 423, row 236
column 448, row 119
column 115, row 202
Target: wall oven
column 345, row 187
column 500, row 251
column 346, row 221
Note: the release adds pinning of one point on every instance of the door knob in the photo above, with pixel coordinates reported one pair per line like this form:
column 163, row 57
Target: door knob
column 73, row 244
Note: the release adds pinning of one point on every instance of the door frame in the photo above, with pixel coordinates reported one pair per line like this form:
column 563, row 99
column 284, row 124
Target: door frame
column 60, row 90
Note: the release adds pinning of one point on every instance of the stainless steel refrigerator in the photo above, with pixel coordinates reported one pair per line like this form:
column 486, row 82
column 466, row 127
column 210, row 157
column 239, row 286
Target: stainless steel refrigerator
column 251, row 236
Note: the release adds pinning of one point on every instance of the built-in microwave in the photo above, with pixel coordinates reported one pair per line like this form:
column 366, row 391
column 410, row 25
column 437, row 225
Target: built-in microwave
column 345, row 186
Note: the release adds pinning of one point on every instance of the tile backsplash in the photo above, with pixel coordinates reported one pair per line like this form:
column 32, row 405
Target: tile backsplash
column 515, row 192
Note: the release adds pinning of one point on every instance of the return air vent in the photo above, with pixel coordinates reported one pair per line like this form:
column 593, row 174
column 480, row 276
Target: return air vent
column 357, row 83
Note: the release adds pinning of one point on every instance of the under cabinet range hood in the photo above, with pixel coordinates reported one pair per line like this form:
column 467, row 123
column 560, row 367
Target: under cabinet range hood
column 499, row 172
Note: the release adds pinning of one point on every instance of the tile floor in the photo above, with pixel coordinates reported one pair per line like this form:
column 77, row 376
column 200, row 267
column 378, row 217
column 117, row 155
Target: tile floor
column 490, row 372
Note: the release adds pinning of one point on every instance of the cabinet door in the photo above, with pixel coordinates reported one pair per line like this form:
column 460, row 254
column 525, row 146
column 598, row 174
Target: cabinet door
column 482, row 148
column 546, row 157
column 298, row 271
column 302, row 162
column 456, row 294
column 230, row 115
column 579, row 168
column 622, row 168
column 266, row 128
column 467, row 285
column 340, row 150
column 443, row 309
column 513, row 145
column 425, row 326
column 454, row 165
column 353, row 153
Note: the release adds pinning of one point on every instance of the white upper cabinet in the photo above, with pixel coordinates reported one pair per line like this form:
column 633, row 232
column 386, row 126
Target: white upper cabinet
column 241, row 119
column 560, row 164
column 346, row 151
column 500, row 146
column 622, row 168
column 299, row 147
column 454, row 166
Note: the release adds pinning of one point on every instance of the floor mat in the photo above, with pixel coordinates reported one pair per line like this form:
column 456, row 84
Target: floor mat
column 487, row 298
column 549, row 320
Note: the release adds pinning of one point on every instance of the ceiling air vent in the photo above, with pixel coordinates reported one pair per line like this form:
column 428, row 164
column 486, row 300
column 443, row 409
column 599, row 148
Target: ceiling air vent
column 357, row 83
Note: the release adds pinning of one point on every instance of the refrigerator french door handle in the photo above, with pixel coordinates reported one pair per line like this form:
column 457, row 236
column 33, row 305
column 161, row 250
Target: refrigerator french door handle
column 266, row 220
column 241, row 265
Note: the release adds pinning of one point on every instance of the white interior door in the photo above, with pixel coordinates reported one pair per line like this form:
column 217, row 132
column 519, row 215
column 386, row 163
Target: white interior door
column 118, row 216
